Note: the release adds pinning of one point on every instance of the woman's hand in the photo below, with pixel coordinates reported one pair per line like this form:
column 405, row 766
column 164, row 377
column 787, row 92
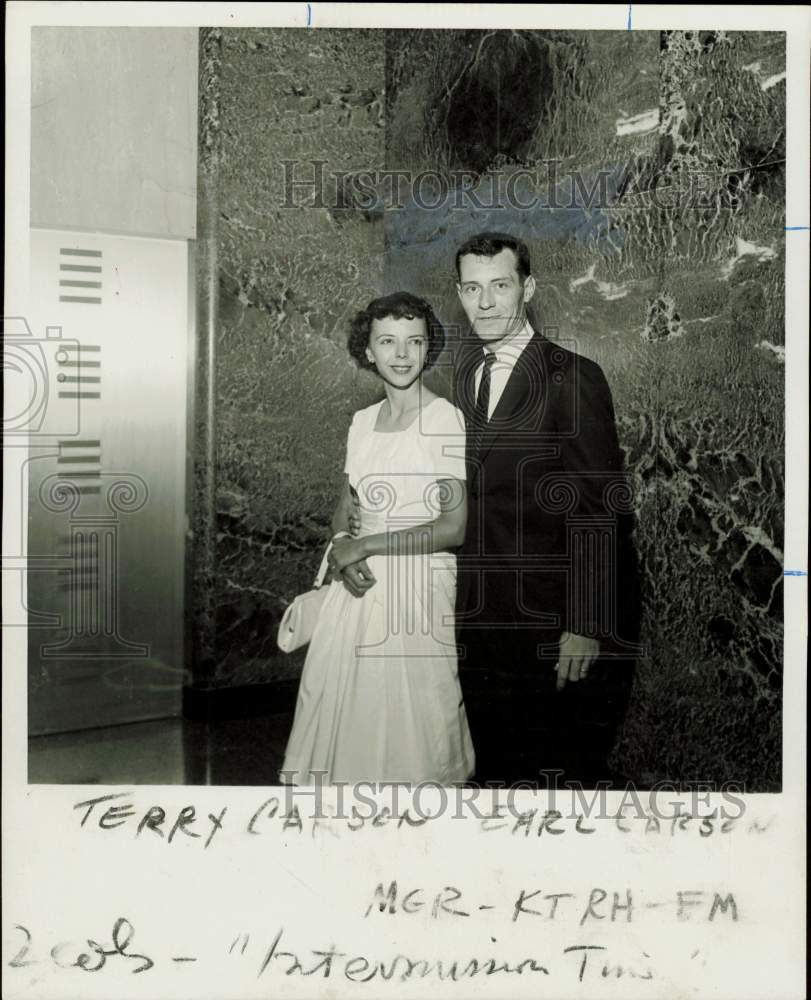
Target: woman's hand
column 344, row 552
column 347, row 559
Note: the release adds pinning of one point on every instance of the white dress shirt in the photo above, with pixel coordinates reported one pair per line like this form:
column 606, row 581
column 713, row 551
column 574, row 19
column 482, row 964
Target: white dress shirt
column 506, row 357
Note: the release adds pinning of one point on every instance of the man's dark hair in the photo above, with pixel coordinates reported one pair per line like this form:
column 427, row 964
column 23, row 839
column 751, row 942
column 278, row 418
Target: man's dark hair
column 399, row 305
column 490, row 244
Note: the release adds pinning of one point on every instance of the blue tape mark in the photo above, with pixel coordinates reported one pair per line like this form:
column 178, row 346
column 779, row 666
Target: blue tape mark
column 629, row 16
column 309, row 15
column 791, row 229
column 794, row 572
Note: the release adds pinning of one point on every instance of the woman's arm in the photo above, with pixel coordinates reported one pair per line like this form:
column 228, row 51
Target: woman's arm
column 446, row 531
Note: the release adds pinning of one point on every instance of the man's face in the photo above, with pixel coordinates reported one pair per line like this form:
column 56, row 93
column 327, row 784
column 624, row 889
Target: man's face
column 493, row 295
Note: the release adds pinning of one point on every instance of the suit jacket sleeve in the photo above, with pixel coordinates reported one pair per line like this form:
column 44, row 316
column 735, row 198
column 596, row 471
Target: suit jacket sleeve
column 592, row 463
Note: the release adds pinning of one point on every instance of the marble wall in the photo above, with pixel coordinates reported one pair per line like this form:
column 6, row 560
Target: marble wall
column 276, row 387
column 656, row 165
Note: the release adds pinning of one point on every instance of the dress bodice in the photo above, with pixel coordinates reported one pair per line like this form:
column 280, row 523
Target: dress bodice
column 396, row 474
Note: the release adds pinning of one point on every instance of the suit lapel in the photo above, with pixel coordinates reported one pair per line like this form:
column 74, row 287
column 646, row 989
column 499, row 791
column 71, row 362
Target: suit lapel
column 521, row 399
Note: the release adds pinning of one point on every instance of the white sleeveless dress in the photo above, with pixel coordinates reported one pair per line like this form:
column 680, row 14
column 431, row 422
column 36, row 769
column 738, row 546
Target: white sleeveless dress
column 379, row 698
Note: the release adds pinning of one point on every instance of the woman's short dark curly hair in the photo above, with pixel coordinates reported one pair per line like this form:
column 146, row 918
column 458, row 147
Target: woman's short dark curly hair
column 399, row 305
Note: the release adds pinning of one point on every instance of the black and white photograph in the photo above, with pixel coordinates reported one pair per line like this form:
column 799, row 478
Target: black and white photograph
column 408, row 401
column 498, row 315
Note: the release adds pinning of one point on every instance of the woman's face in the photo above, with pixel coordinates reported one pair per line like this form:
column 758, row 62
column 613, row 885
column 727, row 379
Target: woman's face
column 397, row 348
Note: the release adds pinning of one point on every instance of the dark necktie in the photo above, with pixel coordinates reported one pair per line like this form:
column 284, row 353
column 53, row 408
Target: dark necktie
column 480, row 413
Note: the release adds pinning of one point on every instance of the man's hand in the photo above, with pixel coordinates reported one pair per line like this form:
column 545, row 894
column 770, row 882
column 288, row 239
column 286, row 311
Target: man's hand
column 575, row 657
column 354, row 513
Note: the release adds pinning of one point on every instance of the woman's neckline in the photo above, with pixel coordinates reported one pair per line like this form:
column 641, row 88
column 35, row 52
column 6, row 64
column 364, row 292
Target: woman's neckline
column 402, row 430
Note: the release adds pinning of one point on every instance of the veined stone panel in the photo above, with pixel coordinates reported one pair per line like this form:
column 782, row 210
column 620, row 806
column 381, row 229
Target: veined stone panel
column 289, row 277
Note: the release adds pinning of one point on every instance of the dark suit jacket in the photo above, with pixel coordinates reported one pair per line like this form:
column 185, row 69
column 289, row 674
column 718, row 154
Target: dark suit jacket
column 549, row 512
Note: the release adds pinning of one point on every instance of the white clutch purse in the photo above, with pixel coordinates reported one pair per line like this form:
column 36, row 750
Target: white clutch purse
column 298, row 621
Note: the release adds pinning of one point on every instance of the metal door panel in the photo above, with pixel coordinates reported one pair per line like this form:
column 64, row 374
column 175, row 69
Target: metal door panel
column 107, row 480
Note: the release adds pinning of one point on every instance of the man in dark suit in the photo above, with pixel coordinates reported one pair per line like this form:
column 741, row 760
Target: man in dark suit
column 546, row 592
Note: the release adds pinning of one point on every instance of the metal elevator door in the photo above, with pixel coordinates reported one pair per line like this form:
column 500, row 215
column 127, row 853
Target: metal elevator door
column 106, row 479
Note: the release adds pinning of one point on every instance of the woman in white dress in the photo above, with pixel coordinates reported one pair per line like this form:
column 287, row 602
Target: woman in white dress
column 379, row 698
